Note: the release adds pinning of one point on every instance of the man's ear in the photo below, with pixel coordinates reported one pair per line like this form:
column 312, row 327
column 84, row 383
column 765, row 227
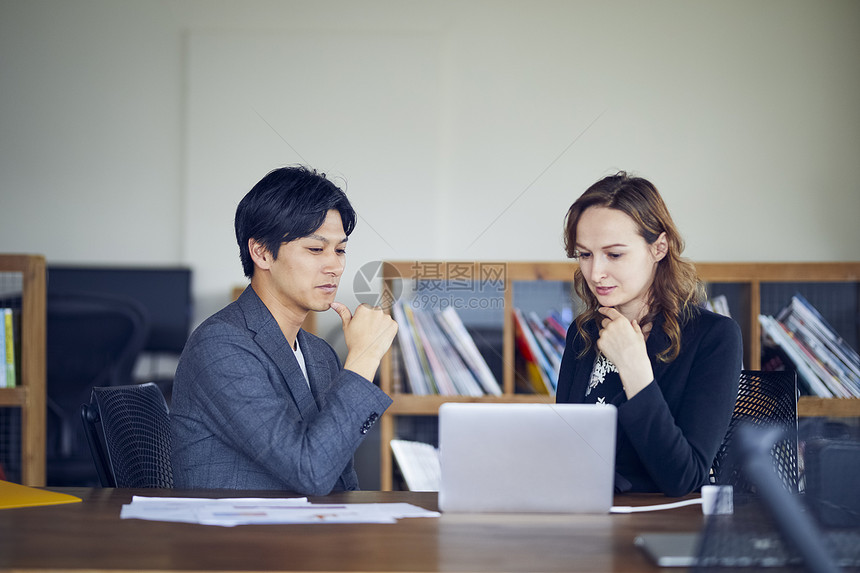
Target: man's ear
column 259, row 254
column 660, row 247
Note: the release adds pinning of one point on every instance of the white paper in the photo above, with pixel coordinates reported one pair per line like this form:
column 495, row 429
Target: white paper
column 228, row 512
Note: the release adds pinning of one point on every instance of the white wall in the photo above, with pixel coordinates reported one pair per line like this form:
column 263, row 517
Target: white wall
column 130, row 129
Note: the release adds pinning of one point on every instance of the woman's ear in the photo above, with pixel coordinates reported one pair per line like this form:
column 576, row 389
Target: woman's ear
column 259, row 254
column 660, row 247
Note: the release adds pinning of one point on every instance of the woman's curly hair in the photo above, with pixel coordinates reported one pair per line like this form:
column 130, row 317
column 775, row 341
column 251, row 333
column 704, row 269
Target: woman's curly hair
column 676, row 293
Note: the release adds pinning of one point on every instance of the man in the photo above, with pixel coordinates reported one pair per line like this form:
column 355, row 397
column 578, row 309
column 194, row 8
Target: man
column 257, row 402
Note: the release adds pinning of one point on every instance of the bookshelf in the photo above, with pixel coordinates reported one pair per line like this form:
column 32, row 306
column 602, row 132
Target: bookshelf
column 747, row 281
column 29, row 395
column 752, row 280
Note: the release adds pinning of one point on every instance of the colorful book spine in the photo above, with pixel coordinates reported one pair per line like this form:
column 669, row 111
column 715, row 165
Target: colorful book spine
column 461, row 377
column 444, row 384
column 817, row 351
column 779, row 335
column 10, row 348
column 3, row 346
column 439, row 355
column 428, row 381
column 555, row 326
column 409, row 351
column 465, row 345
column 538, row 365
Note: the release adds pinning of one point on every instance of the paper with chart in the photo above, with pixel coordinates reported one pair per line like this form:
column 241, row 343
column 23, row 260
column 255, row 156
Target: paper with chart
column 229, row 512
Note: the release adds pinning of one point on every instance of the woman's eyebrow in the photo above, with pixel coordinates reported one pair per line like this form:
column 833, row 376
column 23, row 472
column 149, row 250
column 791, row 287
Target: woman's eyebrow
column 613, row 246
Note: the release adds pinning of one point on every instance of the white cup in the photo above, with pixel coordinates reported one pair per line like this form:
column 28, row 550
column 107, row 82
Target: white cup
column 717, row 500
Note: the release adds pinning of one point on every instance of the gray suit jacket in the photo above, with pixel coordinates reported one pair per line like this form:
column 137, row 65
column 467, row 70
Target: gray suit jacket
column 243, row 417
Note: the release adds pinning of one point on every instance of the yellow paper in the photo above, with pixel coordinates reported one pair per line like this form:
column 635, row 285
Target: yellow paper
column 15, row 495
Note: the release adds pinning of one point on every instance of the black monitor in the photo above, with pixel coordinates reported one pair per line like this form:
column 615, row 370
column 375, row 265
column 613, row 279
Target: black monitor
column 165, row 292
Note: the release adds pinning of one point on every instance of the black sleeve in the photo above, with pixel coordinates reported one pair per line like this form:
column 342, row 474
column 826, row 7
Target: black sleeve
column 678, row 449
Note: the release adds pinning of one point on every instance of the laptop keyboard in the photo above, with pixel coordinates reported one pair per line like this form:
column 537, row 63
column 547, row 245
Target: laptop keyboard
column 746, row 549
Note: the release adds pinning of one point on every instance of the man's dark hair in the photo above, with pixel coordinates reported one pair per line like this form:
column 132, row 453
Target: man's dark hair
column 287, row 204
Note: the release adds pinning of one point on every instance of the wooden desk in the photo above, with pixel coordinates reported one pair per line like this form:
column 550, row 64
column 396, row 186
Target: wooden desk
column 91, row 536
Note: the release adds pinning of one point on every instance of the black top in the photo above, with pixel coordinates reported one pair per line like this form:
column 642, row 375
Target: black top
column 605, row 383
column 669, row 433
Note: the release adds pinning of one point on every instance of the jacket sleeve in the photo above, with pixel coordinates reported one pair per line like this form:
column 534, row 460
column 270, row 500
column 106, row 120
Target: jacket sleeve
column 233, row 393
column 678, row 450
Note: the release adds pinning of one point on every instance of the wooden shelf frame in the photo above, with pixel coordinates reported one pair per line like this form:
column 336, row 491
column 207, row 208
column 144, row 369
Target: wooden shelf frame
column 30, row 395
column 750, row 274
column 813, row 406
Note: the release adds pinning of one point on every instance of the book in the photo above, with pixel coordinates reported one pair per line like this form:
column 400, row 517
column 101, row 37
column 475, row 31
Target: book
column 422, row 379
column 3, row 371
column 836, row 387
column 546, row 344
column 819, row 352
column 16, row 495
column 779, row 336
column 555, row 324
column 448, row 351
column 814, row 348
column 536, row 363
column 439, row 354
column 542, row 350
column 826, row 366
column 556, row 346
column 804, row 311
column 409, row 352
column 10, row 345
column 532, row 381
column 719, row 304
column 465, row 344
column 443, row 384
column 419, row 464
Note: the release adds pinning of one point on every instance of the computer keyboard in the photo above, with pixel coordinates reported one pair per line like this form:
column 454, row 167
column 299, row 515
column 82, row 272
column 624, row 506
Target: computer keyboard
column 749, row 549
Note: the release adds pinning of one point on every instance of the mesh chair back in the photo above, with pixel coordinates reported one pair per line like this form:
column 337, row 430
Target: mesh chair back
column 135, row 431
column 91, row 340
column 764, row 399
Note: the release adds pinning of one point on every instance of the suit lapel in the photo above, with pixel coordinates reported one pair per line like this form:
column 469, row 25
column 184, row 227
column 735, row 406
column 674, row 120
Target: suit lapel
column 583, row 374
column 268, row 335
column 318, row 369
column 657, row 342
column 583, row 368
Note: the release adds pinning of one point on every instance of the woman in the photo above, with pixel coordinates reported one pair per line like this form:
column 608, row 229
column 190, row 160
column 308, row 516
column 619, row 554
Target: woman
column 644, row 343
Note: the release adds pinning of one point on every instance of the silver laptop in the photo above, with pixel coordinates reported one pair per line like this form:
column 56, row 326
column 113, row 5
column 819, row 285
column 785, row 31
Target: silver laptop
column 670, row 549
column 526, row 458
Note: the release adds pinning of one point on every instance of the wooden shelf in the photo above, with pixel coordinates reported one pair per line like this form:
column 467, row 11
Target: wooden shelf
column 779, row 272
column 812, row 406
column 13, row 397
column 30, row 395
column 412, row 405
column 751, row 276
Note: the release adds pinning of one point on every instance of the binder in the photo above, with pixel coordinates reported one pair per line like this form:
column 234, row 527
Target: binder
column 15, row 495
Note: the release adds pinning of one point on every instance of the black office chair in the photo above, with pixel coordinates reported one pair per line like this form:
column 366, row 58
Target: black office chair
column 92, row 340
column 128, row 429
column 764, row 399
